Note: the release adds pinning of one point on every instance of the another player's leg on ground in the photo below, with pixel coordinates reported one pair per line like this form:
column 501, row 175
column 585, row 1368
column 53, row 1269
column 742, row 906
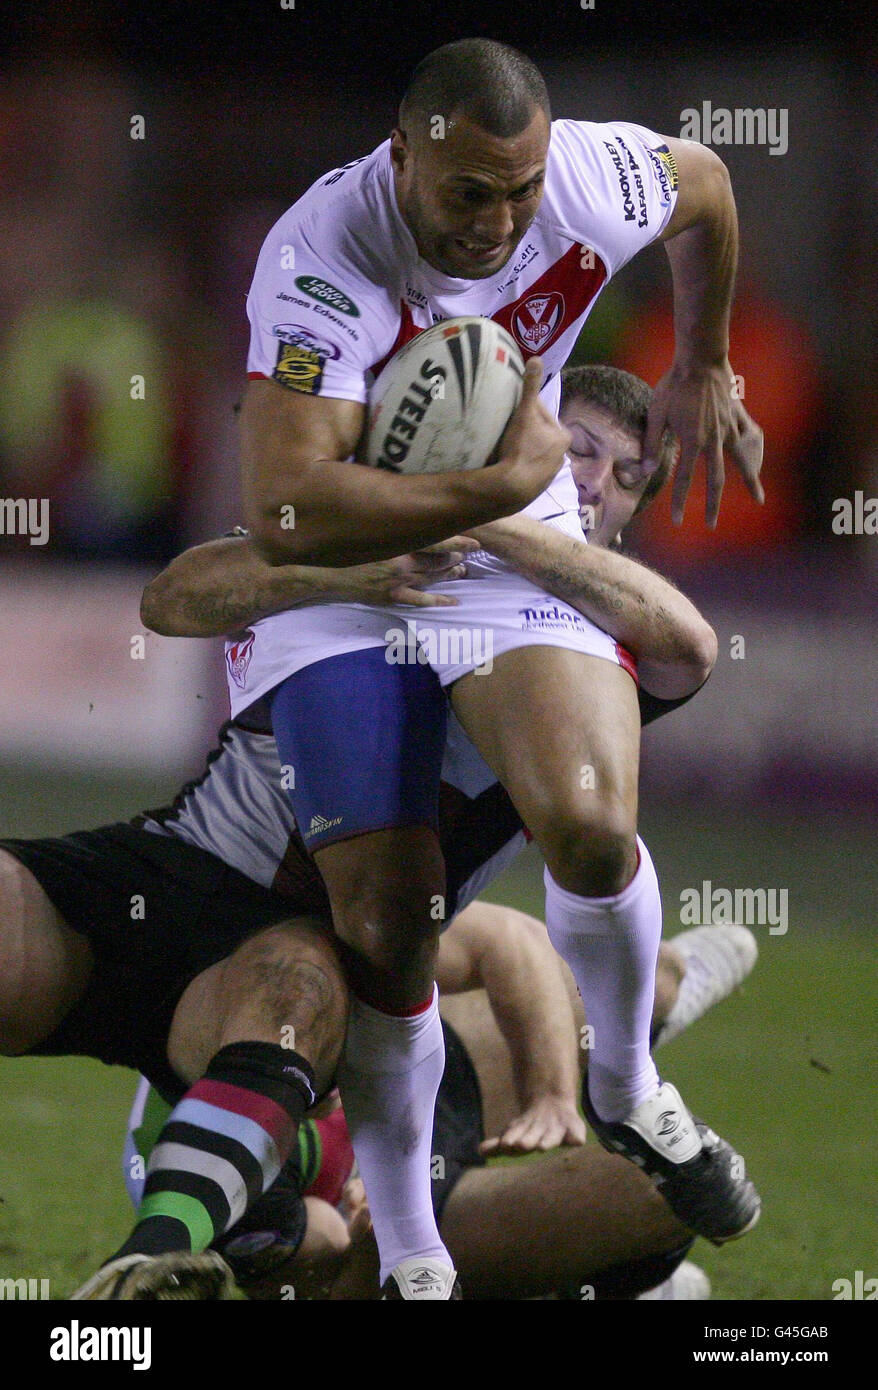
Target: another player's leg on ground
column 44, row 964
column 567, row 751
column 259, row 1034
column 597, row 1252
column 577, row 1223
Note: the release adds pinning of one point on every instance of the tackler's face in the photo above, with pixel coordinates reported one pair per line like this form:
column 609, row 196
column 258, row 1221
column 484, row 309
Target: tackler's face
column 606, row 460
column 469, row 197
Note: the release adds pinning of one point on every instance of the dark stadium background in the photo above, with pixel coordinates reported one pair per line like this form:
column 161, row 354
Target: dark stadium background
column 118, row 251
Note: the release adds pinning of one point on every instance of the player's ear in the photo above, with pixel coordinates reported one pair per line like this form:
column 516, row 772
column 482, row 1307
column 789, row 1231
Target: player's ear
column 400, row 150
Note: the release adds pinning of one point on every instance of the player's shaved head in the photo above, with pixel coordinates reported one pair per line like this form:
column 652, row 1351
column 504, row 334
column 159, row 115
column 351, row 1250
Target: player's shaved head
column 495, row 86
column 469, row 155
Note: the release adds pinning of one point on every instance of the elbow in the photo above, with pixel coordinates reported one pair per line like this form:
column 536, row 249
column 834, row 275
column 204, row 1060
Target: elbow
column 154, row 609
column 697, row 660
column 705, row 650
column 679, row 675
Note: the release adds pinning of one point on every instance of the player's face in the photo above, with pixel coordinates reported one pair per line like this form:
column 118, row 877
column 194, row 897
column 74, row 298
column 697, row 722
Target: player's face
column 469, row 198
column 605, row 459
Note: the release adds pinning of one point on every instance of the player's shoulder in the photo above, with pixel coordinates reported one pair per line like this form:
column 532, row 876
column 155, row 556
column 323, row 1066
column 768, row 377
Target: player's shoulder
column 342, row 225
column 611, row 183
column 579, row 147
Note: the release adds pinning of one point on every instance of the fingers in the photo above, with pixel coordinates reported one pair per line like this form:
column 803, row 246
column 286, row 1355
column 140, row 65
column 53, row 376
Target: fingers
column 433, row 560
column 522, row 1138
column 655, row 427
column 746, row 449
column 431, row 574
column 683, row 478
column 412, row 588
column 716, row 473
column 416, row 598
column 531, row 381
column 461, row 544
column 576, row 1131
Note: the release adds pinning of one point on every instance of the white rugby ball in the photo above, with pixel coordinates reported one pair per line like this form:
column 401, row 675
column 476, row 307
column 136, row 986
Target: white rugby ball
column 443, row 401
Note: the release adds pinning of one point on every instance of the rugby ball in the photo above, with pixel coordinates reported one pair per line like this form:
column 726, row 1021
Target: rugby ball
column 443, row 401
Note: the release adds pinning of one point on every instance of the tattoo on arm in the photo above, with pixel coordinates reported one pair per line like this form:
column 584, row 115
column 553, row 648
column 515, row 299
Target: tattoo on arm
column 225, row 611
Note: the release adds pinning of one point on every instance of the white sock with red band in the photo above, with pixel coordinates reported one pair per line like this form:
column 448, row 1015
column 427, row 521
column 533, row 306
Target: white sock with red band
column 388, row 1079
column 611, row 946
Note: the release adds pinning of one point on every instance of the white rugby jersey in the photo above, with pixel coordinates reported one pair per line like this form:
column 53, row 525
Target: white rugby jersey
column 339, row 288
column 339, row 285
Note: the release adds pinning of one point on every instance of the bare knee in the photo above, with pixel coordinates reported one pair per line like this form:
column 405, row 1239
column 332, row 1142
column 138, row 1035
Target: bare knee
column 592, row 850
column 284, row 985
column 387, row 894
column 391, row 930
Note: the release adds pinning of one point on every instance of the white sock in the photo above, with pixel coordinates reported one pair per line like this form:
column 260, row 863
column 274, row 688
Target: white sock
column 388, row 1079
column 611, row 946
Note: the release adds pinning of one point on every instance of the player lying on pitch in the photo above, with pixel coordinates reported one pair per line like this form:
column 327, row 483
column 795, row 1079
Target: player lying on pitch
column 478, row 204
column 79, row 977
column 578, row 1223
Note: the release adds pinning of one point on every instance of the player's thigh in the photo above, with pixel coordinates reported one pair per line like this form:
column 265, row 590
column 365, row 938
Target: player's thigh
column 44, row 964
column 282, row 985
column 523, row 1229
column 365, row 738
column 561, row 729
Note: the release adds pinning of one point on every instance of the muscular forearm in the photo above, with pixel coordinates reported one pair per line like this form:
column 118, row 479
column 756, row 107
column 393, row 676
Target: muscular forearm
column 703, row 258
column 674, row 647
column 508, row 955
column 218, row 588
column 305, row 505
column 346, row 514
column 530, row 1003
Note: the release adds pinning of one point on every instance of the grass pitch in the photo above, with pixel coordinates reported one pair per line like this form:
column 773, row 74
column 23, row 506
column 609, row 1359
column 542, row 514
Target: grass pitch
column 785, row 1070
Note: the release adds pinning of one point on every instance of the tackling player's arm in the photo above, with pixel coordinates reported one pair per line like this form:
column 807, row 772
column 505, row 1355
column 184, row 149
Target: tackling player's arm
column 215, row 589
column 508, row 955
column 303, row 504
column 674, row 647
column 695, row 397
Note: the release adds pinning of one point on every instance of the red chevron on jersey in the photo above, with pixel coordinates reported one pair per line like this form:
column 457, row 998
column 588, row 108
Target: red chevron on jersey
column 545, row 310
column 548, row 308
column 407, row 330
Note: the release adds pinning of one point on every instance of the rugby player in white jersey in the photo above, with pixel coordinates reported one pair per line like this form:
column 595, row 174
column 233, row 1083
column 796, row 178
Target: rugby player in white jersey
column 240, row 811
column 168, row 998
column 477, row 205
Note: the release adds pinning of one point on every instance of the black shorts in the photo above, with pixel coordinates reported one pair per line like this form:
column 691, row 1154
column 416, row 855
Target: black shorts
column 156, row 912
column 457, row 1127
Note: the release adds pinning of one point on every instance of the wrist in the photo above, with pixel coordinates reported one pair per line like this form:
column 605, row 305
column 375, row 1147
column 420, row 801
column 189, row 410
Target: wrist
column 487, row 493
column 699, row 359
column 287, row 585
column 493, row 534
